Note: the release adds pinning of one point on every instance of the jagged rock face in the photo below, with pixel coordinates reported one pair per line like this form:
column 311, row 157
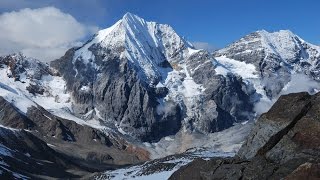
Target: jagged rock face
column 284, row 143
column 118, row 94
column 227, row 95
column 150, row 82
column 275, row 55
column 115, row 83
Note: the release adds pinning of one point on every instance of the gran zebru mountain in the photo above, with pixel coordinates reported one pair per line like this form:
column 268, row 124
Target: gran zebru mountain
column 150, row 82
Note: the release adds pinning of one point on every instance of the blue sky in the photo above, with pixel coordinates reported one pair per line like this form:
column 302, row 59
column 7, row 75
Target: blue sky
column 220, row 22
column 217, row 22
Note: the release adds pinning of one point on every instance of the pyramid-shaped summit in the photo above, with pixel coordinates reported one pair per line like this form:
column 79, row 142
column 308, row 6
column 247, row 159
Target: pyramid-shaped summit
column 145, row 44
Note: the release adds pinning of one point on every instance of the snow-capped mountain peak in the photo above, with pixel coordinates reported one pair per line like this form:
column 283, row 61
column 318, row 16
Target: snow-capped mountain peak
column 132, row 18
column 145, row 44
column 283, row 45
column 277, row 58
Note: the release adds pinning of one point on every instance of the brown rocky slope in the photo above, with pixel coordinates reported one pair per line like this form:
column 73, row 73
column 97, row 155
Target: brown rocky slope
column 80, row 149
column 284, row 143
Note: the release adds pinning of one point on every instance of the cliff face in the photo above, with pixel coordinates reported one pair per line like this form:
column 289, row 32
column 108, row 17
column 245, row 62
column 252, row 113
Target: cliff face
column 284, row 143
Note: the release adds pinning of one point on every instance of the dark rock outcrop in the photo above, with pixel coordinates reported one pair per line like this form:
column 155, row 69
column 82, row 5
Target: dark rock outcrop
column 82, row 146
column 11, row 117
column 23, row 155
column 284, row 143
column 305, row 171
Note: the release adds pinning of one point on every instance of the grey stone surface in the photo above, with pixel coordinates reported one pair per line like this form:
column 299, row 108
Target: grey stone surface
column 226, row 100
column 119, row 95
column 270, row 126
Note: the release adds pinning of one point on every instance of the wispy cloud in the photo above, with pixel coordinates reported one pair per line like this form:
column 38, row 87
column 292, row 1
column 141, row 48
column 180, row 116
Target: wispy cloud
column 44, row 33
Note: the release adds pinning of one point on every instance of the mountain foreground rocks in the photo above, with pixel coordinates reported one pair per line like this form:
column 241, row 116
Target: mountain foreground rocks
column 284, row 143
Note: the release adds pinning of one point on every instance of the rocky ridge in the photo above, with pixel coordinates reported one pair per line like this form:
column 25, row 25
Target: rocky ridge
column 284, row 143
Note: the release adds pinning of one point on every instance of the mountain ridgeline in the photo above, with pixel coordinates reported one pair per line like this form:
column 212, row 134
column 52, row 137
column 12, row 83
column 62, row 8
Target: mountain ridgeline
column 151, row 82
column 138, row 86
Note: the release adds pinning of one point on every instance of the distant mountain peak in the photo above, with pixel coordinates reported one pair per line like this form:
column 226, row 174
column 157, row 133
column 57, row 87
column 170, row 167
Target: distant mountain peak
column 283, row 43
column 275, row 54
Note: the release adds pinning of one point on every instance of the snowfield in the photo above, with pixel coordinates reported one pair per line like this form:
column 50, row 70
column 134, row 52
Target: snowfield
column 160, row 169
column 55, row 98
column 226, row 141
column 226, row 65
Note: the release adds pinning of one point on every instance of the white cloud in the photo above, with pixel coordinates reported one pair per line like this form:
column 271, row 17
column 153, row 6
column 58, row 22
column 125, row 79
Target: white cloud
column 44, row 33
column 88, row 11
column 204, row 45
column 298, row 83
column 301, row 83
